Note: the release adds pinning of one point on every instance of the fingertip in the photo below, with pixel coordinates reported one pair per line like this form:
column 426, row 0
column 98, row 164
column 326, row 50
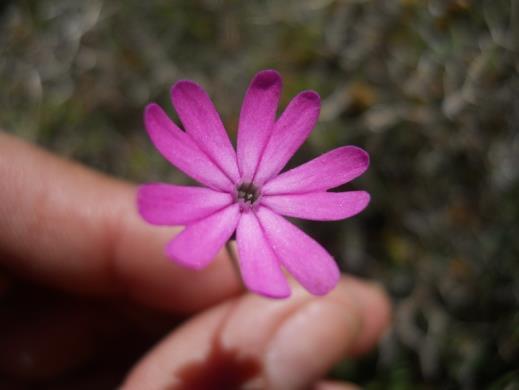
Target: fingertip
column 325, row 327
column 374, row 310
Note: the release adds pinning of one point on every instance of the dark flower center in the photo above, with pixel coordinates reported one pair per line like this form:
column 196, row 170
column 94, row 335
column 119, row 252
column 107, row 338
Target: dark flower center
column 247, row 194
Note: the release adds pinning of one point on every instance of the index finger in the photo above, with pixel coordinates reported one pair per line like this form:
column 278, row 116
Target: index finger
column 70, row 227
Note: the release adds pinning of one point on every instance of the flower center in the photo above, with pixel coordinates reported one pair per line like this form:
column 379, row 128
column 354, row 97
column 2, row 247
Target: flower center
column 247, row 194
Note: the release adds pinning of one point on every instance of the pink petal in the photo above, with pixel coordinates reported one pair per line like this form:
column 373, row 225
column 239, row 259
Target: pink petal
column 164, row 204
column 319, row 206
column 258, row 264
column 197, row 245
column 202, row 122
column 290, row 131
column 257, row 116
column 329, row 170
column 301, row 255
column 180, row 150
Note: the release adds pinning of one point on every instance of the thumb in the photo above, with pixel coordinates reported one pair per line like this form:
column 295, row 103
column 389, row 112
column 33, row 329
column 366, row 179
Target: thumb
column 260, row 343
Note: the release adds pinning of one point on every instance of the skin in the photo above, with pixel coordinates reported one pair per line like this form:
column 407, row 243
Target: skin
column 88, row 298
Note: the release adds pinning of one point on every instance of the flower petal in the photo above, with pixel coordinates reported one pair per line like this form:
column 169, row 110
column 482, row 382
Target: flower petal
column 329, row 170
column 257, row 116
column 197, row 245
column 290, row 131
column 181, row 151
column 319, row 206
column 258, row 264
column 301, row 255
column 165, row 204
column 202, row 122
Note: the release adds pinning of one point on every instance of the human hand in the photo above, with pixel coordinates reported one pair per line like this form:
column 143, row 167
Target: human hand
column 110, row 294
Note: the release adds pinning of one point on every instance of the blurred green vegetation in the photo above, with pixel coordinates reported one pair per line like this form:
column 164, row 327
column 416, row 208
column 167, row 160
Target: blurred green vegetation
column 429, row 88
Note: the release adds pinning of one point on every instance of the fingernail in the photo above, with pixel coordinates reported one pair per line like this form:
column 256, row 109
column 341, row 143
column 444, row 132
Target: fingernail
column 309, row 342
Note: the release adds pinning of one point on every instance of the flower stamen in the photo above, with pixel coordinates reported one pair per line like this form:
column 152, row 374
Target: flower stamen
column 247, row 195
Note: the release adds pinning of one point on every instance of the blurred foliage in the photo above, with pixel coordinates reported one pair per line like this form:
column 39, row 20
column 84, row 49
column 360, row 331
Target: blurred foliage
column 429, row 88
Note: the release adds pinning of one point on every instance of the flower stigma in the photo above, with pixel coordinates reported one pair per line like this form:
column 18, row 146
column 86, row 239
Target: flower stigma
column 247, row 196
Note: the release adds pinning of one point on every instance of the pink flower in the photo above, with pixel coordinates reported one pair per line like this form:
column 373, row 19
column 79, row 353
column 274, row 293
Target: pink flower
column 244, row 191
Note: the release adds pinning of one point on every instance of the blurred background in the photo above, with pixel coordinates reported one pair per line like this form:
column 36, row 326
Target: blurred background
column 429, row 88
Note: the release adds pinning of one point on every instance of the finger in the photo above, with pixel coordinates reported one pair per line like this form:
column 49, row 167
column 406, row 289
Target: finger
column 272, row 344
column 69, row 227
column 375, row 307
